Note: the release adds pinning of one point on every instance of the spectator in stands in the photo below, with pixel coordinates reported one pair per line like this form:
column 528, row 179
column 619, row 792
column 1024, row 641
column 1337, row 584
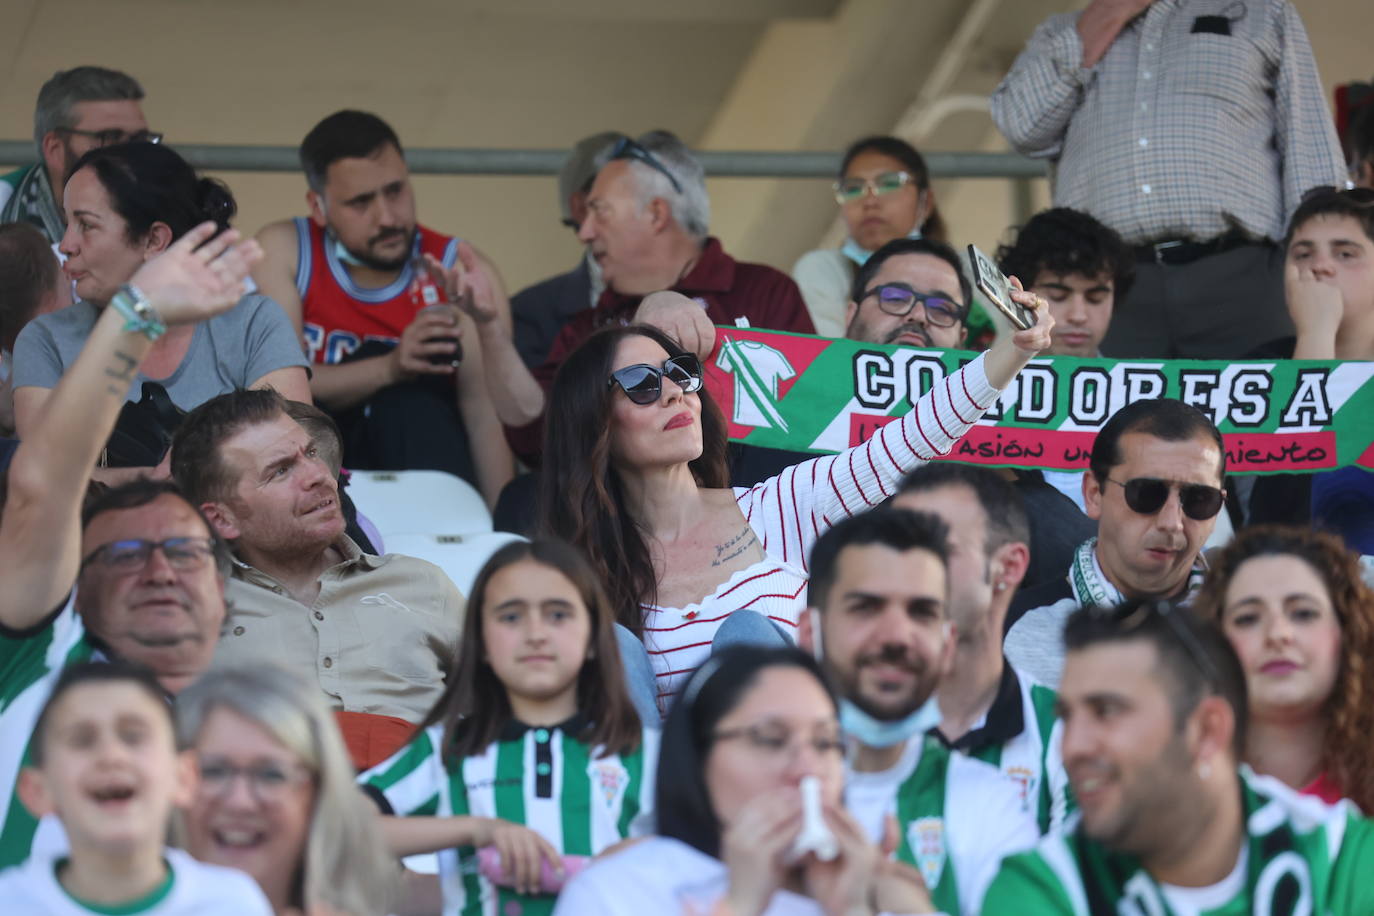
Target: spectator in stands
column 884, row 194
column 1330, row 274
column 1154, row 485
column 1154, row 709
column 296, row 823
column 880, row 620
column 1361, row 138
column 540, row 311
column 31, row 284
column 379, row 633
column 1192, row 131
column 752, row 724
column 324, row 433
column 640, row 487
column 647, row 226
column 152, row 577
column 385, row 347
column 538, row 691
column 78, row 110
column 898, row 277
column 104, row 763
column 126, row 204
column 1293, row 604
column 988, row 709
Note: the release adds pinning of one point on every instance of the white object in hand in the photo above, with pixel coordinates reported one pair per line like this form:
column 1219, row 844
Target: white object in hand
column 815, row 836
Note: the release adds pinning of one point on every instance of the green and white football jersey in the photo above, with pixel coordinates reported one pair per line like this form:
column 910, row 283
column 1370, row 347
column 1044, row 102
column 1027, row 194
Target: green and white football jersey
column 30, row 663
column 543, row 778
column 1301, row 857
column 957, row 818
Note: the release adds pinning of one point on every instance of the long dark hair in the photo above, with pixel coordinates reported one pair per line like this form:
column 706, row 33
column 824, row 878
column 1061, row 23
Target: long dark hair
column 474, row 705
column 914, row 164
column 150, row 183
column 581, row 499
column 681, row 796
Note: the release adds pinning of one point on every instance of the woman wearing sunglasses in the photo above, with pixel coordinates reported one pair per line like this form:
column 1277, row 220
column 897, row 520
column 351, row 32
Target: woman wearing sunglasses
column 884, row 193
column 636, row 479
column 1293, row 604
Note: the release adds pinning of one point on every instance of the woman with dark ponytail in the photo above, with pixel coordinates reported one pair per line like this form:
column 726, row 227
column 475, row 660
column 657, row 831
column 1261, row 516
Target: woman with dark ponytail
column 125, row 204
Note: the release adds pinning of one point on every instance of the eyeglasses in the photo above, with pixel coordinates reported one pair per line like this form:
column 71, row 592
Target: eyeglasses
column 643, row 383
column 629, row 149
column 1360, row 197
column 898, row 299
column 1147, row 495
column 127, row 556
column 851, row 189
column 269, row 783
column 114, row 135
column 773, row 741
column 1131, row 616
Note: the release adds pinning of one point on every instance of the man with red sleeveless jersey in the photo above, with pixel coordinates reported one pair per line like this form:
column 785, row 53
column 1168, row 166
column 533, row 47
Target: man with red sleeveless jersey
column 385, row 346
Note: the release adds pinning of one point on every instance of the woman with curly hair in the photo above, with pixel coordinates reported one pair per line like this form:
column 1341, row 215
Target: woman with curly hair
column 1293, row 604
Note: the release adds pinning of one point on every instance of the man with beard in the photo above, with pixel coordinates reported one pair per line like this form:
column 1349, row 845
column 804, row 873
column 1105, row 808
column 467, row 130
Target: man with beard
column 910, row 291
column 1154, row 485
column 376, row 633
column 879, row 620
column 387, row 349
column 1154, row 710
column 78, row 110
column 988, row 709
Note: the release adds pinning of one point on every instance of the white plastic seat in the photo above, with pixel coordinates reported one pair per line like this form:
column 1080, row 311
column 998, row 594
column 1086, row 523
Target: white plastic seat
column 461, row 556
column 418, row 502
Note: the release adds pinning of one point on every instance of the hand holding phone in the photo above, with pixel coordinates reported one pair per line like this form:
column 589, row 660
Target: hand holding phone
column 994, row 285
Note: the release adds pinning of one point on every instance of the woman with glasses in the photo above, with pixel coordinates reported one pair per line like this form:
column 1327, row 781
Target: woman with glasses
column 753, row 725
column 277, row 798
column 884, row 193
column 1293, row 604
column 635, row 478
column 124, row 204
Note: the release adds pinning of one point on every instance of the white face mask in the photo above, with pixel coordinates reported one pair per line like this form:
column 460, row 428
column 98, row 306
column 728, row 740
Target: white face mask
column 871, row 732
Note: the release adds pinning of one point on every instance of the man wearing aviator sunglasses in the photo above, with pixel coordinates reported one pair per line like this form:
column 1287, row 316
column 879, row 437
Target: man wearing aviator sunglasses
column 78, row 110
column 1154, row 486
column 912, row 292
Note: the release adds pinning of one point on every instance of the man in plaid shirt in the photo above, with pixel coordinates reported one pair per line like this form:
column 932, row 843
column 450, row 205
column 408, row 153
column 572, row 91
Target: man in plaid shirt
column 1192, row 127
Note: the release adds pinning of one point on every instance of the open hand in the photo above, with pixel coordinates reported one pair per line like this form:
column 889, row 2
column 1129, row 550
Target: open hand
column 191, row 281
column 680, row 318
column 466, row 284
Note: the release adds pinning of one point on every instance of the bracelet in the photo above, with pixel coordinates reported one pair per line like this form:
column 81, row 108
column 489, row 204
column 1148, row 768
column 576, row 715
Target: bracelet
column 139, row 314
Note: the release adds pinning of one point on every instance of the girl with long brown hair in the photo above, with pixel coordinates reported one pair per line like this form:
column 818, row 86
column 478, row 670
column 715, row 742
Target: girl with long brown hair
column 533, row 759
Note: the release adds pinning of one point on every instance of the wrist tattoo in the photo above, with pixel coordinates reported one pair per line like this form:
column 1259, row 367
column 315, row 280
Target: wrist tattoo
column 126, row 372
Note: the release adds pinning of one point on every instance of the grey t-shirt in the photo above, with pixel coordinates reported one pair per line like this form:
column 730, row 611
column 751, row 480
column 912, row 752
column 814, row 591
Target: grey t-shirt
column 232, row 350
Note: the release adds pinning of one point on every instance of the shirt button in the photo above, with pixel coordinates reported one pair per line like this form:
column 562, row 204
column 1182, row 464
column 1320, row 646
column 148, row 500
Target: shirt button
column 238, row 631
column 1144, row 106
column 1149, row 47
column 328, row 662
column 319, row 616
column 1144, row 142
column 542, row 736
column 543, row 769
column 1145, row 188
column 1145, row 75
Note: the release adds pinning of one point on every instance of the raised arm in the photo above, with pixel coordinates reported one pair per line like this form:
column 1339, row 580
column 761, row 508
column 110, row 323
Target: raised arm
column 40, row 531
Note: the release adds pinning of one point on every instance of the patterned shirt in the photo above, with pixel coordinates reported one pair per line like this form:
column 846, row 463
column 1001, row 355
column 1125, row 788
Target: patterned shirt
column 1203, row 117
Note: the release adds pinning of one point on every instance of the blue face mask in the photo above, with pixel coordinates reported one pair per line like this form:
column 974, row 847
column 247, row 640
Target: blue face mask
column 871, row 732
column 850, row 249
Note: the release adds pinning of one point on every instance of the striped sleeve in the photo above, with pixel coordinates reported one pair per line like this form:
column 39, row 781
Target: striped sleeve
column 411, row 779
column 793, row 508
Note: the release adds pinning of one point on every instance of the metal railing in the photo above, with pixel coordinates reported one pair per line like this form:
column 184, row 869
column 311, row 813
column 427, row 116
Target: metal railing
column 731, row 164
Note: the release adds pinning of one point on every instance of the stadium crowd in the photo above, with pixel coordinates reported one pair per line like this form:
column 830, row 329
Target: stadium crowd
column 707, row 677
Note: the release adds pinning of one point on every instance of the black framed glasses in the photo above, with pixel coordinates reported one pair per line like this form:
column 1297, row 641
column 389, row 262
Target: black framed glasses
column 127, row 556
column 898, row 299
column 113, row 135
column 626, row 148
column 643, row 383
column 1132, row 615
column 851, row 189
column 1147, row 495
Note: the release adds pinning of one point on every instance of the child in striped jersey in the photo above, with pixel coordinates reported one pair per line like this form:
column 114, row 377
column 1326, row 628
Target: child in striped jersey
column 534, row 749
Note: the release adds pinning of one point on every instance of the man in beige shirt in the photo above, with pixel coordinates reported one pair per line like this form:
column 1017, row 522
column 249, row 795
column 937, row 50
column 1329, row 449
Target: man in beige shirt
column 378, row 633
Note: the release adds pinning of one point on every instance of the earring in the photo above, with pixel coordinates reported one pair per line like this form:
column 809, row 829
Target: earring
column 1204, row 770
column 1000, row 587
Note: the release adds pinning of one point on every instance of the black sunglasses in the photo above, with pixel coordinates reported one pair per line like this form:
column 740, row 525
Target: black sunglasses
column 629, row 149
column 643, row 383
column 898, row 299
column 1147, row 495
column 1131, row 615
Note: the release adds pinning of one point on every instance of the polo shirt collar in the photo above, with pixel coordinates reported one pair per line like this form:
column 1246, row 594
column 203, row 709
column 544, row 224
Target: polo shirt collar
column 514, row 729
column 1005, row 719
column 352, row 556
